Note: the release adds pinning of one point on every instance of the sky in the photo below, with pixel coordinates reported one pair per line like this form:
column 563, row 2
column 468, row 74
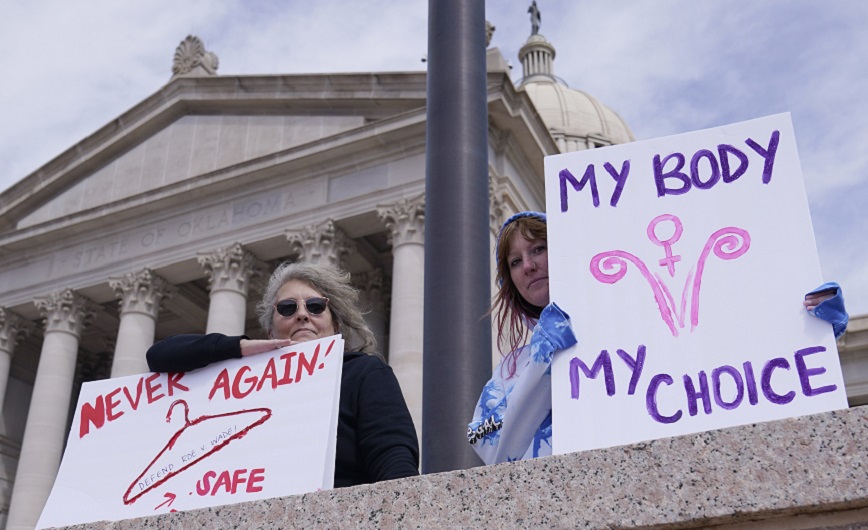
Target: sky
column 69, row 67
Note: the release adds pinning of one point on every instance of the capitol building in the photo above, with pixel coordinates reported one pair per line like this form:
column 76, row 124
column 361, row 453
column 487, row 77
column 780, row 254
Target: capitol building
column 167, row 220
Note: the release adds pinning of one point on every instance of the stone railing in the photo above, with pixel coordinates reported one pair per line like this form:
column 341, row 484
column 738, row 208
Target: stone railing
column 809, row 472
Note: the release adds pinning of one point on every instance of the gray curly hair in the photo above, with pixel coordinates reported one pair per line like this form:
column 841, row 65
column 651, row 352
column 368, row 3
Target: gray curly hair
column 332, row 283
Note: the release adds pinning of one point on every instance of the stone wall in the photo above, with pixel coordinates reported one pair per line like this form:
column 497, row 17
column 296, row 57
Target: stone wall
column 809, row 472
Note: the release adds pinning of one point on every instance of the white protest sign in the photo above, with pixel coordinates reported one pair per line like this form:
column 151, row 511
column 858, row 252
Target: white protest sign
column 257, row 427
column 683, row 262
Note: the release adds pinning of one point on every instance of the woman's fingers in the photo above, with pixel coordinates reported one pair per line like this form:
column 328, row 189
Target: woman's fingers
column 815, row 299
column 252, row 347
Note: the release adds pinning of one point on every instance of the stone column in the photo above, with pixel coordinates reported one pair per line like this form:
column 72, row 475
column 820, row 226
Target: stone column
column 140, row 295
column 373, row 298
column 13, row 328
column 229, row 272
column 322, row 243
column 66, row 315
column 406, row 221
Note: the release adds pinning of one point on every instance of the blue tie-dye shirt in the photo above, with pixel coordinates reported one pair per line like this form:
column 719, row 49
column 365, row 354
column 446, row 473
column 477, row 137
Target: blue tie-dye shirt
column 832, row 310
column 513, row 419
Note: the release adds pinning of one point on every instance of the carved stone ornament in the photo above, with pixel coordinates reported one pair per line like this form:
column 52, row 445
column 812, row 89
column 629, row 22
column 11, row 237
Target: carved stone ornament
column 230, row 268
column 13, row 327
column 489, row 32
column 142, row 292
column 497, row 204
column 192, row 58
column 323, row 243
column 371, row 284
column 405, row 220
column 66, row 311
column 95, row 366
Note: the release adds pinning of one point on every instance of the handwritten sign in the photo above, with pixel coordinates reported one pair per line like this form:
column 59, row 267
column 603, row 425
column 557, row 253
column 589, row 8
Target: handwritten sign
column 683, row 262
column 252, row 428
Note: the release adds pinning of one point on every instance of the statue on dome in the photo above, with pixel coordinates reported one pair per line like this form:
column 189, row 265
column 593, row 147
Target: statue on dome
column 535, row 18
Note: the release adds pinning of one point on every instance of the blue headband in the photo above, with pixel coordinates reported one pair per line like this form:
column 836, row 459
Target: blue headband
column 520, row 215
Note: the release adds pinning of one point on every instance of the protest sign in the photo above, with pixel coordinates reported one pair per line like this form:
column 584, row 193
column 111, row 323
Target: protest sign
column 683, row 262
column 257, row 427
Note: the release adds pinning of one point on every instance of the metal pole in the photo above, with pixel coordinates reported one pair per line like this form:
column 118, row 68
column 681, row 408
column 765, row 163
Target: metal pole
column 457, row 341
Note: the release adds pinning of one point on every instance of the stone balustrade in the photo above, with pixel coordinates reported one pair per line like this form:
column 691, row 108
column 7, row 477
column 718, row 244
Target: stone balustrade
column 809, row 472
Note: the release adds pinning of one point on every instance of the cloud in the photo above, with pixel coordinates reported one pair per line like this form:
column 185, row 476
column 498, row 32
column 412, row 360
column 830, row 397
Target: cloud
column 666, row 66
column 74, row 67
column 674, row 66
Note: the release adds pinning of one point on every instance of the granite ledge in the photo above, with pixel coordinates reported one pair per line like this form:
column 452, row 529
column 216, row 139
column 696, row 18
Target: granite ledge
column 807, row 472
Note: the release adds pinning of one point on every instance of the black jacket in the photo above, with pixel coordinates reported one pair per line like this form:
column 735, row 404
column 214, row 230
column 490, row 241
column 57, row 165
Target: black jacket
column 376, row 438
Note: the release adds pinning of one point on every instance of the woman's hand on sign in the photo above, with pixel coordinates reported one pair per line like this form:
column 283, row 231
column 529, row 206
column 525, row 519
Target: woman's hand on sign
column 812, row 300
column 252, row 347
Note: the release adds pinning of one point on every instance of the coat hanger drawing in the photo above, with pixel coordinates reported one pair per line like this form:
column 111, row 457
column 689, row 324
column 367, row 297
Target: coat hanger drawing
column 180, row 453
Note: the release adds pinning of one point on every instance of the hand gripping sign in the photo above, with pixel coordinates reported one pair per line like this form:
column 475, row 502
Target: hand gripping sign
column 251, row 428
column 684, row 288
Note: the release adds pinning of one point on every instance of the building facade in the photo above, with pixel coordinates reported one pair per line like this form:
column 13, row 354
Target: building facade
column 167, row 220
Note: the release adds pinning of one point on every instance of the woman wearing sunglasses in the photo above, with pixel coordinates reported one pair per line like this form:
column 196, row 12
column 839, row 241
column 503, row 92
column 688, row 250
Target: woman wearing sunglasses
column 302, row 302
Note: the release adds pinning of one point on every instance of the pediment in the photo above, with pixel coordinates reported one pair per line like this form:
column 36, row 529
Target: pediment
column 196, row 126
column 193, row 145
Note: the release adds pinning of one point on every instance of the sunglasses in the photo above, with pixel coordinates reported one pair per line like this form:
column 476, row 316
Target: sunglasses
column 314, row 305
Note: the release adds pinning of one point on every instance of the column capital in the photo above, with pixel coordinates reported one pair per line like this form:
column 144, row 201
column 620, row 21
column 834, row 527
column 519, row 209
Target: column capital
column 372, row 283
column 322, row 243
column 141, row 292
column 95, row 366
column 230, row 268
column 66, row 311
column 13, row 328
column 497, row 194
column 405, row 220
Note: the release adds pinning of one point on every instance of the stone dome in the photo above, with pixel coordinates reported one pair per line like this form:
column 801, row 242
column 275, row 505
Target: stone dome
column 575, row 119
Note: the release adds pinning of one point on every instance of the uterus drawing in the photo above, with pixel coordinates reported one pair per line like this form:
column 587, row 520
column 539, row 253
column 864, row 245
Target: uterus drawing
column 728, row 243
